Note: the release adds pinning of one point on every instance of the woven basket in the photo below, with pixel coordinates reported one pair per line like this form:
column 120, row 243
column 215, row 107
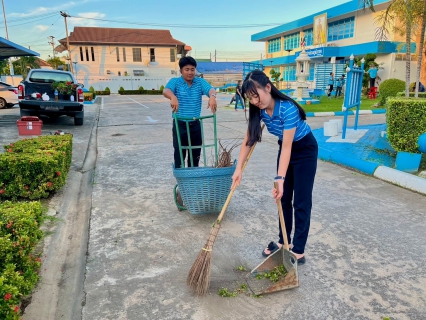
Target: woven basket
column 204, row 189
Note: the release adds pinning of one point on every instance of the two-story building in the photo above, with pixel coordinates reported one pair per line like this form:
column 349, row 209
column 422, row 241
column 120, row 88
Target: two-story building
column 331, row 36
column 122, row 57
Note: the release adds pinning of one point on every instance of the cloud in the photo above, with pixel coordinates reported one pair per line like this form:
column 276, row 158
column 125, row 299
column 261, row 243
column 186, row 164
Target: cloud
column 46, row 10
column 41, row 27
column 84, row 19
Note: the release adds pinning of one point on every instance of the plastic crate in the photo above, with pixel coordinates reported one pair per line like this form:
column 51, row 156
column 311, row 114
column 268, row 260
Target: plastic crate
column 29, row 126
column 204, row 189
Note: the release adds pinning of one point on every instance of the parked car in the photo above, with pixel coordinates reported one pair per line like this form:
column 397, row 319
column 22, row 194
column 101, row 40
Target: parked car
column 36, row 95
column 8, row 95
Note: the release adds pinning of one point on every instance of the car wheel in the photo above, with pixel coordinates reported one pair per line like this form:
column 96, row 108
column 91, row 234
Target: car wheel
column 78, row 121
column 3, row 103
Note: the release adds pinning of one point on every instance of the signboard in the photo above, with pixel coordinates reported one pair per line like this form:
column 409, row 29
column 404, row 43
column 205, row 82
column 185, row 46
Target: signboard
column 315, row 53
column 320, row 29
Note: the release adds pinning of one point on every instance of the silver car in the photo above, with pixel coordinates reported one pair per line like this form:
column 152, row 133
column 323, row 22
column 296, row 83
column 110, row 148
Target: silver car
column 8, row 95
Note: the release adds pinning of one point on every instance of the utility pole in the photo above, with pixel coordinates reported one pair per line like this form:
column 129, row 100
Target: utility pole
column 214, row 55
column 65, row 15
column 12, row 72
column 52, row 42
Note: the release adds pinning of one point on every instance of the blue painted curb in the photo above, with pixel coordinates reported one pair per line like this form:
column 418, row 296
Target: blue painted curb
column 91, row 102
column 364, row 166
column 342, row 113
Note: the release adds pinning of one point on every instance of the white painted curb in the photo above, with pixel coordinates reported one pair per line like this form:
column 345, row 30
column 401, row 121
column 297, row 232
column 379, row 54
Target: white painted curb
column 401, row 178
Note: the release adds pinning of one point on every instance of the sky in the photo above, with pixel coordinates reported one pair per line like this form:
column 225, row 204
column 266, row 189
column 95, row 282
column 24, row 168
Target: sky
column 230, row 23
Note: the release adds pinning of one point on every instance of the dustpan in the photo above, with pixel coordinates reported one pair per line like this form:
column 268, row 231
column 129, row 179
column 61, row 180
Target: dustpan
column 278, row 271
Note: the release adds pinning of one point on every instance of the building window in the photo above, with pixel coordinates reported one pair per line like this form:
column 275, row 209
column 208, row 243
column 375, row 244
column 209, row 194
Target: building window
column 124, row 54
column 341, row 29
column 81, row 54
column 172, row 55
column 93, row 53
column 292, row 41
column 119, row 73
column 152, row 55
column 117, row 50
column 309, row 40
column 87, row 54
column 274, row 45
column 289, row 73
column 311, row 72
column 137, row 57
column 138, row 73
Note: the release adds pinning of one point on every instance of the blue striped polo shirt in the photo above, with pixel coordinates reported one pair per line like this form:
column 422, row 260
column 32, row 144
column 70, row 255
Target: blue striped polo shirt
column 189, row 97
column 285, row 117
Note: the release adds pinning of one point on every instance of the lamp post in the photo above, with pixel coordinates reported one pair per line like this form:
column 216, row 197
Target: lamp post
column 288, row 66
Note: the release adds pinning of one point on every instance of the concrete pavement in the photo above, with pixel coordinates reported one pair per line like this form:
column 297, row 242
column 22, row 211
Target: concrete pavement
column 365, row 254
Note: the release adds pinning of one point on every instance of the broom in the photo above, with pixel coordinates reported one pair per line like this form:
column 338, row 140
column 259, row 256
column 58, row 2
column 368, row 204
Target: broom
column 199, row 275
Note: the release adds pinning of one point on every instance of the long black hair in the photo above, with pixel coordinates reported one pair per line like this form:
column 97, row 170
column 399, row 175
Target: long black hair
column 258, row 80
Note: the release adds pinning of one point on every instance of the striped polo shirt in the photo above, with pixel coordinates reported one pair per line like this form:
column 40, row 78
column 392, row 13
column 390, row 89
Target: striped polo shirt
column 285, row 117
column 189, row 97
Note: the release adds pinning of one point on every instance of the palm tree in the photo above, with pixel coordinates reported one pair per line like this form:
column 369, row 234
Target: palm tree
column 24, row 64
column 400, row 13
column 422, row 39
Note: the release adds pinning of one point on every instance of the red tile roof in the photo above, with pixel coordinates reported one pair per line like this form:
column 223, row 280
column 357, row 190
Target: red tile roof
column 98, row 35
column 42, row 63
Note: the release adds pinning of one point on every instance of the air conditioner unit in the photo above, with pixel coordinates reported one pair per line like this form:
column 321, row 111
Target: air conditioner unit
column 108, row 71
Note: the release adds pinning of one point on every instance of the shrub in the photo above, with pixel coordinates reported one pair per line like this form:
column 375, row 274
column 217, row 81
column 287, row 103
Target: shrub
column 33, row 168
column 91, row 89
column 390, row 88
column 402, row 94
column 103, row 93
column 405, row 123
column 161, row 88
column 140, row 88
column 122, row 89
column 19, row 234
column 107, row 89
column 88, row 96
column 155, row 92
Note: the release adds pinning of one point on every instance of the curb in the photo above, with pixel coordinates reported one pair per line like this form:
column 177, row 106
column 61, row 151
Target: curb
column 342, row 113
column 384, row 173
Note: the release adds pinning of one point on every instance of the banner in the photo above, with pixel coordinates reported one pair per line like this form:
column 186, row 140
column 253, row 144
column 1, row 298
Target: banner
column 320, row 29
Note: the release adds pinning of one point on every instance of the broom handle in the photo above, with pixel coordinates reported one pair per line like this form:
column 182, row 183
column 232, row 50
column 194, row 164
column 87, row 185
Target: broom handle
column 281, row 214
column 225, row 206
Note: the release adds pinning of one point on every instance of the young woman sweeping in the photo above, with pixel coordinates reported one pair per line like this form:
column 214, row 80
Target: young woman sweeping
column 297, row 156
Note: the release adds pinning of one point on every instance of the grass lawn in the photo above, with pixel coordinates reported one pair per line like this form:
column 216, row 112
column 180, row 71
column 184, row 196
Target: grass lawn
column 335, row 104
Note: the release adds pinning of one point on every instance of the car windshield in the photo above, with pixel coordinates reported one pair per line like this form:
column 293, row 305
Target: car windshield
column 50, row 77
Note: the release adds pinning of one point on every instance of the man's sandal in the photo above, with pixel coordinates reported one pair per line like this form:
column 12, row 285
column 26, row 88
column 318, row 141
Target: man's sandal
column 272, row 247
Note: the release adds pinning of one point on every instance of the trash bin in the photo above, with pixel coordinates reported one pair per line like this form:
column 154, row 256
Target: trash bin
column 29, row 126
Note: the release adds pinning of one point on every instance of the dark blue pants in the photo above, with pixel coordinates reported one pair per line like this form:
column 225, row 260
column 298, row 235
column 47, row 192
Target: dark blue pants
column 298, row 186
column 240, row 100
column 196, row 140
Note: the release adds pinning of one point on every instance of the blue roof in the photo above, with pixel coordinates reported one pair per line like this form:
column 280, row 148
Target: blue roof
column 220, row 67
column 10, row 49
column 308, row 21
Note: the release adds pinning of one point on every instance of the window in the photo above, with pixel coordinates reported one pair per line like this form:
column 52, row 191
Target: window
column 289, row 73
column 292, row 41
column 311, row 72
column 87, row 54
column 308, row 37
column 93, row 53
column 119, row 73
column 138, row 73
column 172, row 55
column 274, row 45
column 81, row 54
column 117, row 50
column 137, row 57
column 124, row 54
column 341, row 29
column 152, row 55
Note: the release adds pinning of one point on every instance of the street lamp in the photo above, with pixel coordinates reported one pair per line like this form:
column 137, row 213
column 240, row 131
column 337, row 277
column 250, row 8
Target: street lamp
column 288, row 66
column 76, row 72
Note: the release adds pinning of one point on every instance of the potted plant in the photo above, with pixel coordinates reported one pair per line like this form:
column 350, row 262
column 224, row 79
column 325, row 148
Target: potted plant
column 65, row 89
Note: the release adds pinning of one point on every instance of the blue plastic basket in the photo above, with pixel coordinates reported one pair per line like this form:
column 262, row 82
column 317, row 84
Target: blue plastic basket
column 204, row 189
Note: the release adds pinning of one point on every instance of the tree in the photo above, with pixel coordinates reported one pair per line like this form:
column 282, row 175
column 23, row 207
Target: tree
column 55, row 62
column 275, row 75
column 24, row 64
column 402, row 17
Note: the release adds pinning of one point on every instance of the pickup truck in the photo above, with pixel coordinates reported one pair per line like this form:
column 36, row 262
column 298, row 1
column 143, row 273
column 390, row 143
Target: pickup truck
column 39, row 83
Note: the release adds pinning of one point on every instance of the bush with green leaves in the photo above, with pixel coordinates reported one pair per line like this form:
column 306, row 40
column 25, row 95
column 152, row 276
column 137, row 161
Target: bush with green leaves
column 161, row 88
column 140, row 88
column 34, row 168
column 107, row 89
column 406, row 121
column 91, row 89
column 390, row 88
column 121, row 89
column 411, row 94
column 19, row 235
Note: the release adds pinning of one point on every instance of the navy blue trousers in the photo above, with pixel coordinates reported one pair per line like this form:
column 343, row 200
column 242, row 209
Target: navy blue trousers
column 298, row 186
column 196, row 140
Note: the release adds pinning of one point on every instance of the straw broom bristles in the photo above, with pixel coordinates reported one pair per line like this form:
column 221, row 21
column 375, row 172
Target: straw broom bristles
column 199, row 275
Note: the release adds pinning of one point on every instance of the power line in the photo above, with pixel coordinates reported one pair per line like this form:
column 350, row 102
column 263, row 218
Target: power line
column 186, row 25
column 19, row 24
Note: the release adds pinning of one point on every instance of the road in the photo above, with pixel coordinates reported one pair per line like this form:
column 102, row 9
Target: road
column 365, row 254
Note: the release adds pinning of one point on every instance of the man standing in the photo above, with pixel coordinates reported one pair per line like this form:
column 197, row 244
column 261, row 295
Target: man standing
column 185, row 94
column 330, row 84
column 372, row 71
column 339, row 85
